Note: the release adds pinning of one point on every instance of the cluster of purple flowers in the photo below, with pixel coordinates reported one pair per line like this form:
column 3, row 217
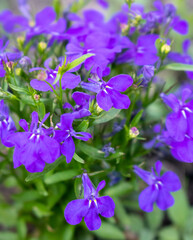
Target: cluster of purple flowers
column 129, row 37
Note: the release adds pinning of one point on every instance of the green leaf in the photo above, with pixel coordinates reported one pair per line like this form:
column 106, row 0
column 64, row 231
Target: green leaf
column 178, row 213
column 41, row 110
column 72, row 65
column 78, row 188
column 179, row 67
column 121, row 214
column 136, row 224
column 78, row 61
column 61, row 176
column 78, row 158
column 155, row 218
column 68, row 232
column 137, row 118
column 119, row 189
column 107, row 116
column 109, row 231
column 18, row 89
column 91, row 151
column 41, row 210
column 47, row 169
column 27, row 195
column 8, row 236
column 83, row 126
column 21, row 229
column 146, row 234
column 169, row 233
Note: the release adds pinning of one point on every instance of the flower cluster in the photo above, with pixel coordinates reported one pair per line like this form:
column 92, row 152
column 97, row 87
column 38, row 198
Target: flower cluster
column 74, row 75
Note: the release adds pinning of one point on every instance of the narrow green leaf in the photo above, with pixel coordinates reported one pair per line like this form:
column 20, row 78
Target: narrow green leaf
column 91, row 151
column 83, row 126
column 21, row 229
column 18, row 89
column 107, row 116
column 47, row 169
column 41, row 110
column 78, row 61
column 179, row 67
column 41, row 210
column 137, row 118
column 78, row 158
column 61, row 176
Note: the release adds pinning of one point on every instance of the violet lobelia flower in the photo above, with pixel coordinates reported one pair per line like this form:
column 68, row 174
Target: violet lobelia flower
column 108, row 93
column 81, row 108
column 179, row 121
column 159, row 188
column 65, row 135
column 90, row 207
column 34, row 147
column 7, row 126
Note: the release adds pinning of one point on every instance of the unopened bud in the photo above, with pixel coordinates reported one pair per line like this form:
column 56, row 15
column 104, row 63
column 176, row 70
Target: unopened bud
column 165, row 49
column 10, row 65
column 25, row 62
column 20, row 42
column 98, row 109
column 42, row 46
column 133, row 132
column 36, row 97
column 18, row 71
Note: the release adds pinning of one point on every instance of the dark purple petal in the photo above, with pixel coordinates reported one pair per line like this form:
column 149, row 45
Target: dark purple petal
column 92, row 219
column 180, row 26
column 45, row 17
column 171, row 181
column 40, row 85
column 158, row 166
column 34, row 121
column 143, row 174
column 75, row 211
column 70, row 81
column 66, row 121
column 176, row 125
column 104, row 100
column 120, row 101
column 103, row 3
column 68, row 149
column 147, row 198
column 106, row 206
column 100, row 186
column 23, row 124
column 186, row 45
column 120, row 82
column 82, row 135
column 164, row 199
column 49, row 149
column 186, row 93
column 171, row 100
column 87, row 185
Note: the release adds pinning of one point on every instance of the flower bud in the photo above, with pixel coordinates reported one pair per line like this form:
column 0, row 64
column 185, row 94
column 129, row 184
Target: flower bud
column 25, row 62
column 42, row 46
column 165, row 49
column 133, row 132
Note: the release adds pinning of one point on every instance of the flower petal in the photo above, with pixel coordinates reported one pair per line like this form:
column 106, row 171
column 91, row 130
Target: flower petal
column 147, row 198
column 104, row 100
column 75, row 211
column 92, row 219
column 120, row 82
column 68, row 149
column 70, row 81
column 171, row 181
column 120, row 101
column 106, row 206
column 164, row 199
column 100, row 186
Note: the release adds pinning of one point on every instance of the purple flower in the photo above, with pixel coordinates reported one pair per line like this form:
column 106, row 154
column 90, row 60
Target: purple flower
column 90, row 207
column 107, row 149
column 69, row 80
column 159, row 188
column 7, row 125
column 108, row 93
column 34, row 147
column 143, row 53
column 179, row 122
column 103, row 3
column 7, row 56
column 65, row 135
column 81, row 108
